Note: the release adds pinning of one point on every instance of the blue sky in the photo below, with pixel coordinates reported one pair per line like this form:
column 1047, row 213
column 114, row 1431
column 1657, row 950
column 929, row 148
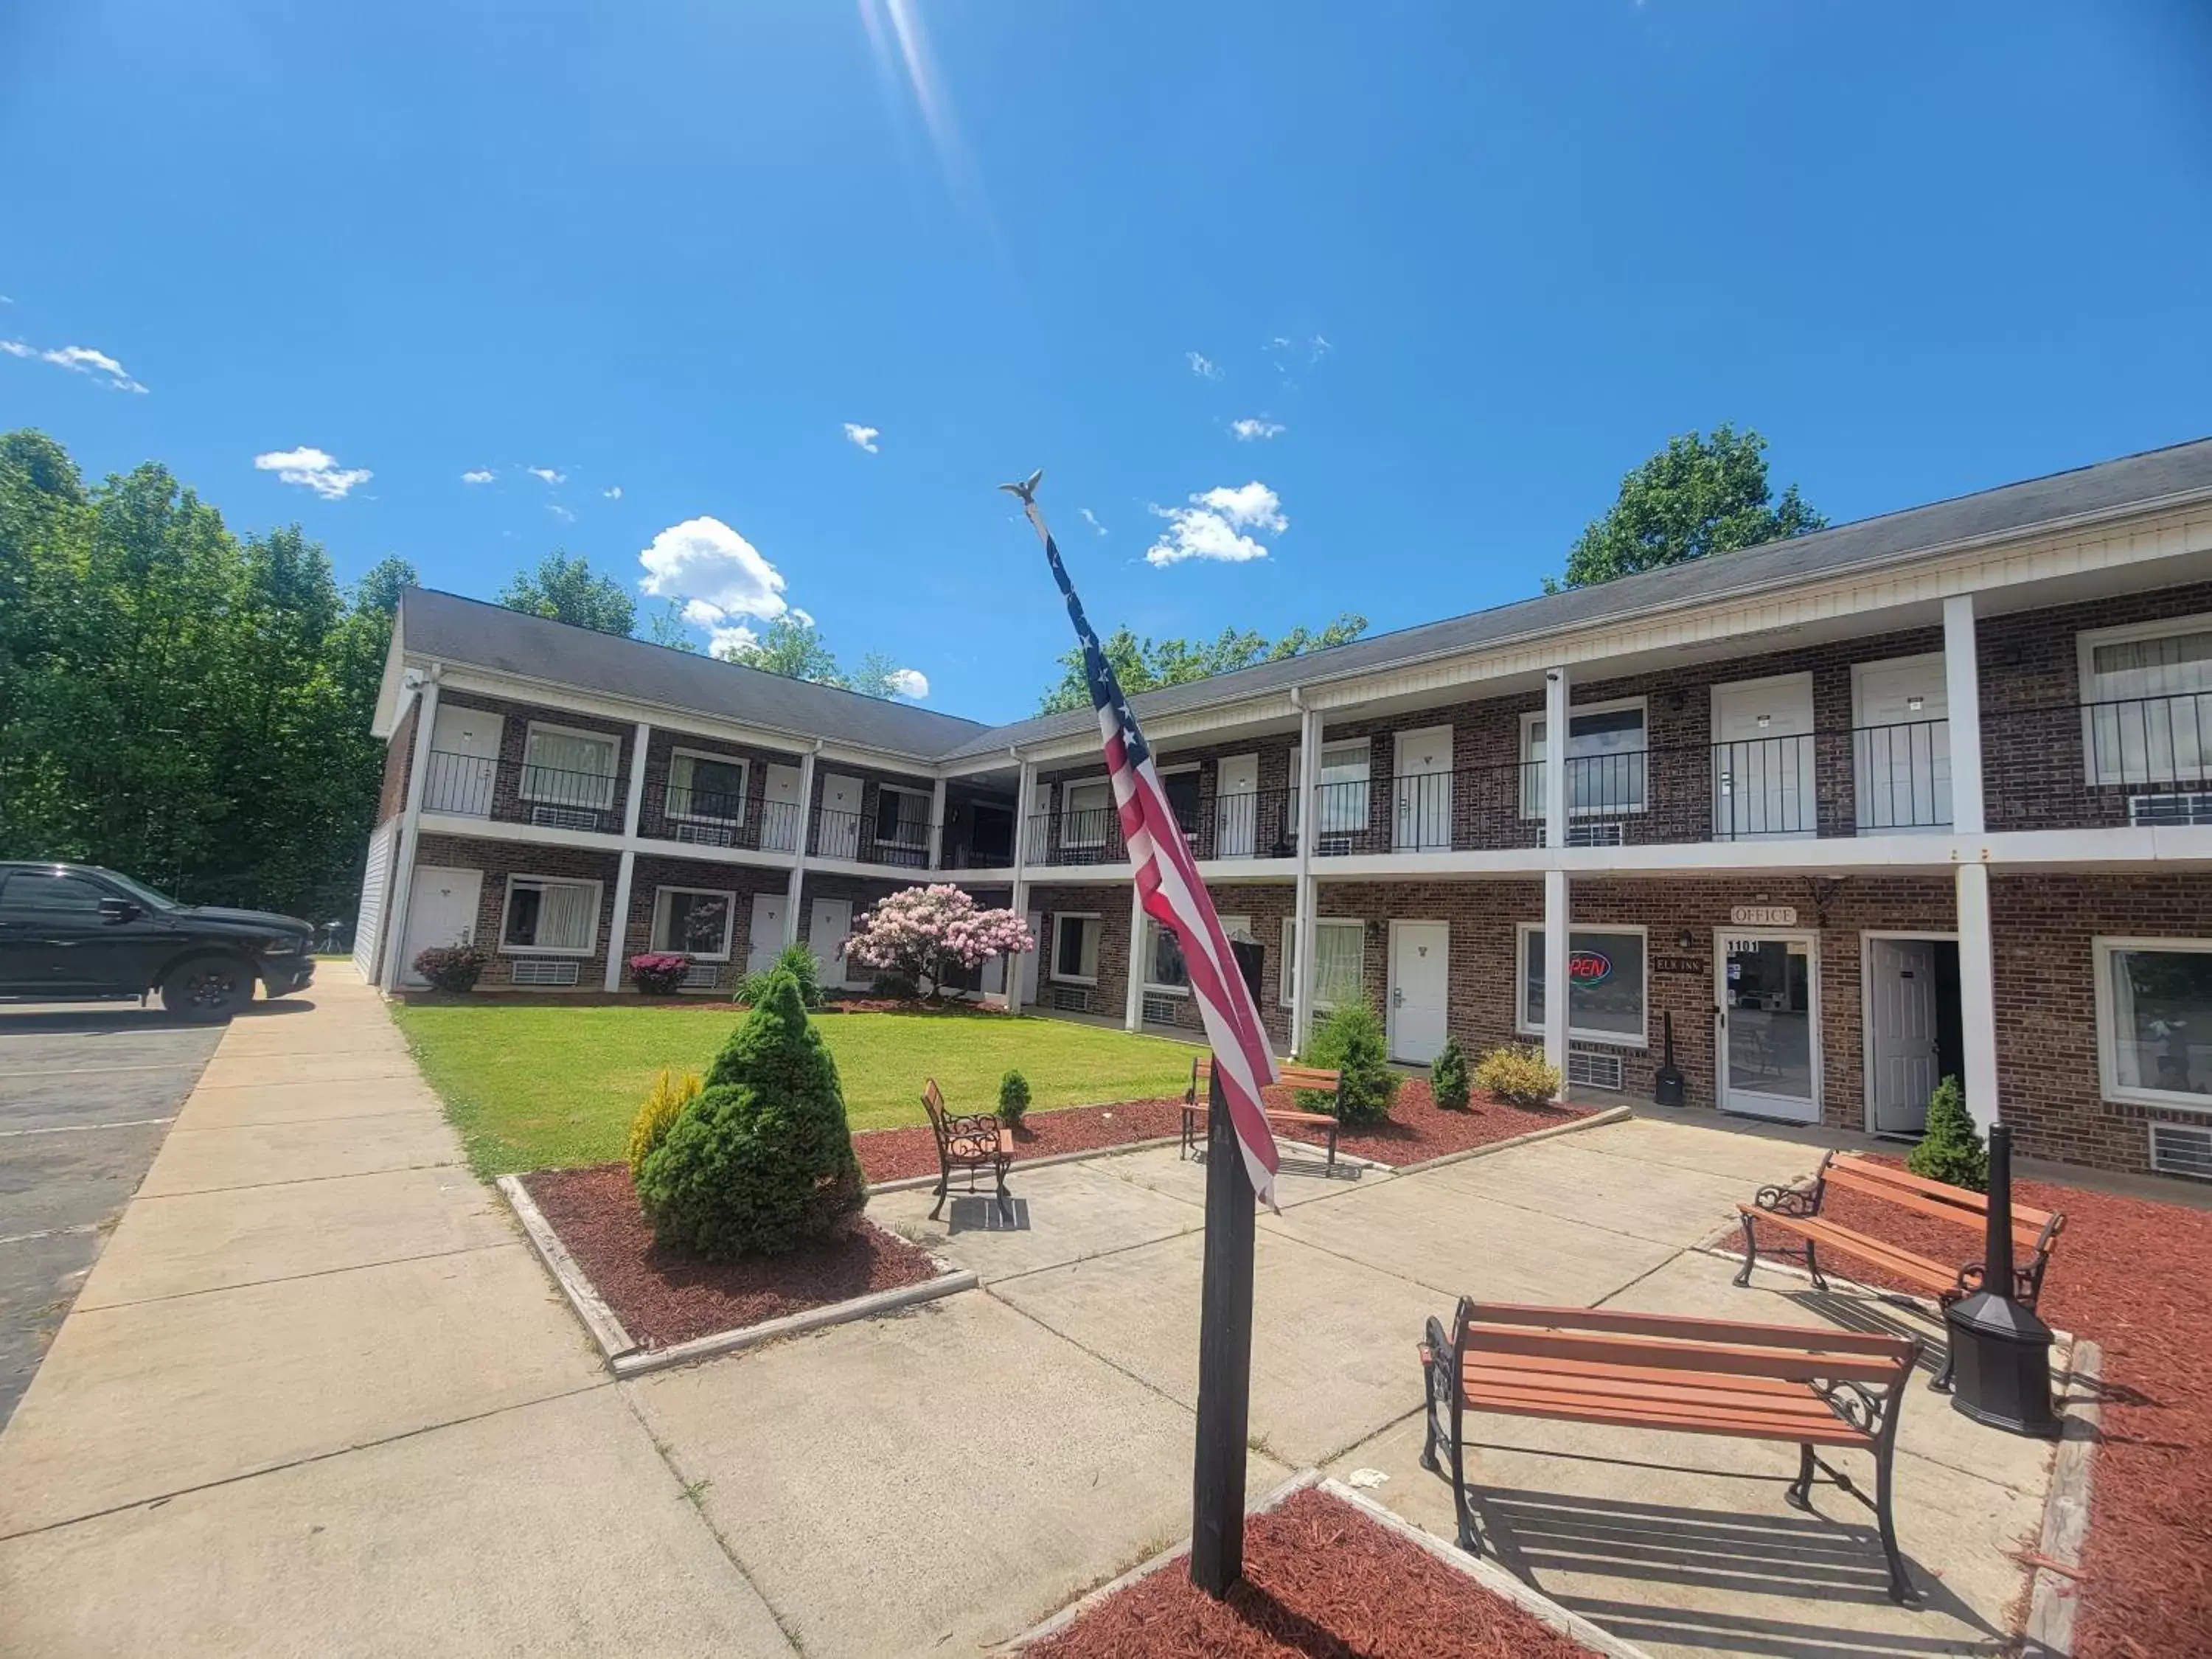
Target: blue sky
column 674, row 249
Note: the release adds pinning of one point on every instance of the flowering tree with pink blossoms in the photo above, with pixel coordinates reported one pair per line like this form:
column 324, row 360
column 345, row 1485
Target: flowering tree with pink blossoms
column 920, row 933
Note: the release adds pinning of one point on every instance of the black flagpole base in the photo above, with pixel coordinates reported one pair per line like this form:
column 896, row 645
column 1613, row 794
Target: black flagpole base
column 1225, row 1358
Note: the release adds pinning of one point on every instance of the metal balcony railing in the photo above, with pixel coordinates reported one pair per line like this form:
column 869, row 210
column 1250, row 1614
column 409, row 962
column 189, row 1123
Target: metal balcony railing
column 704, row 817
column 2127, row 761
column 859, row 837
column 1089, row 835
column 517, row 792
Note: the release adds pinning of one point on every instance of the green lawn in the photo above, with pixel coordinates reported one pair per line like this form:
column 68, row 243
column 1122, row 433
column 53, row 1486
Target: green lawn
column 534, row 1087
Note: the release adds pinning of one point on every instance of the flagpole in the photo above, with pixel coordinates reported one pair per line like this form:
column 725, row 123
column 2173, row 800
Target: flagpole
column 1225, row 1326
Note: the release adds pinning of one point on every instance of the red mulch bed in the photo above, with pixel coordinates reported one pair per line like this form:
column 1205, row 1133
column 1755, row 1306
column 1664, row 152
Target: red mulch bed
column 1322, row 1581
column 2136, row 1277
column 1419, row 1128
column 663, row 1297
column 896, row 1154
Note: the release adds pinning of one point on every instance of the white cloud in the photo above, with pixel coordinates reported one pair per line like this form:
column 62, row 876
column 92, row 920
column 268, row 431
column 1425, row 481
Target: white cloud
column 546, row 475
column 478, row 476
column 715, row 570
column 1253, row 426
column 1203, row 366
column 81, row 360
column 864, row 436
column 316, row 469
column 1091, row 518
column 729, row 643
column 561, row 513
column 910, row 683
column 612, row 492
column 1212, row 526
column 804, row 618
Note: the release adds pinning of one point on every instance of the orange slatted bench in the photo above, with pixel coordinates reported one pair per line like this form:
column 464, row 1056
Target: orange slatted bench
column 1796, row 1210
column 1807, row 1385
column 975, row 1143
column 1195, row 1100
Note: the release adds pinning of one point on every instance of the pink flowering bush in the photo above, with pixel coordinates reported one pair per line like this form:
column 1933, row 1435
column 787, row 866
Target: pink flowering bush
column 920, row 933
column 658, row 973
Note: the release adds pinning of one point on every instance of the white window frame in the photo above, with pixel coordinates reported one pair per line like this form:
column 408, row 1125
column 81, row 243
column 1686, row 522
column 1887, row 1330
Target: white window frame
column 2108, row 1059
column 1527, row 1027
column 1532, row 792
column 1152, row 987
column 1052, row 970
column 2085, row 649
column 506, row 903
column 744, row 784
column 729, row 921
column 1286, row 977
column 1069, row 809
column 1366, row 747
column 928, row 798
column 614, row 763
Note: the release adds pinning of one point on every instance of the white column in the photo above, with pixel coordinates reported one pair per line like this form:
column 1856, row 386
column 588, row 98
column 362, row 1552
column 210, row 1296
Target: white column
column 937, row 826
column 1555, row 970
column 618, row 933
column 402, row 861
column 1024, row 787
column 1133, row 1013
column 1555, row 756
column 1962, row 690
column 799, row 858
column 1978, row 993
column 1307, row 901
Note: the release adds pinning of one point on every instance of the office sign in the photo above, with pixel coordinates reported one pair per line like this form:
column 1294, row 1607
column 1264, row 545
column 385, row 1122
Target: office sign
column 1764, row 915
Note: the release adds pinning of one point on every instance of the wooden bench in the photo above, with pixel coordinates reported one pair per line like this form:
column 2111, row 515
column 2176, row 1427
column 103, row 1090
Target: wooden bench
column 1195, row 1101
column 974, row 1143
column 1807, row 1385
column 1798, row 1210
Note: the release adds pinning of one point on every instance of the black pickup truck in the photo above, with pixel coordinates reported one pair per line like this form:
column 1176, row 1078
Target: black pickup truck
column 72, row 933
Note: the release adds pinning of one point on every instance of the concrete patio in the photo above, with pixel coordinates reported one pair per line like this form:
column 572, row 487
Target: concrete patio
column 318, row 1396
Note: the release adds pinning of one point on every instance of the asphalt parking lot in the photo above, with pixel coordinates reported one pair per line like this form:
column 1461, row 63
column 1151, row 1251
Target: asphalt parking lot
column 86, row 1093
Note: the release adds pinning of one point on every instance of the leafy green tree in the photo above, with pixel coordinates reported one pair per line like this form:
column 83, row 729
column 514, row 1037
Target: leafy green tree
column 1351, row 1041
column 563, row 588
column 1146, row 664
column 794, row 648
column 1696, row 496
column 667, row 626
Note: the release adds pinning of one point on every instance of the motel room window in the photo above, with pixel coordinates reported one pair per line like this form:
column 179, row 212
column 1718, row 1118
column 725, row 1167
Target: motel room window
column 1605, row 984
column 1340, row 949
column 1075, row 949
column 1182, row 788
column 2147, row 697
column 695, row 921
column 708, row 787
column 569, row 768
column 1085, row 809
column 1341, row 792
column 1606, row 749
column 2154, row 1019
column 1165, row 970
column 902, row 816
column 547, row 916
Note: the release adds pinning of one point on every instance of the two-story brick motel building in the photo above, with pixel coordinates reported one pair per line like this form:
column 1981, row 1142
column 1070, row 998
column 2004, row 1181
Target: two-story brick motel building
column 1928, row 794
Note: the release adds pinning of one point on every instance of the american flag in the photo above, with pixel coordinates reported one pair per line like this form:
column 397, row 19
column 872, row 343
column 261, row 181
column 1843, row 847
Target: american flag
column 1172, row 894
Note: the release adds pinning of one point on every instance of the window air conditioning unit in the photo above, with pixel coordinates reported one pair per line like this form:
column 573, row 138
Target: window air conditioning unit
column 701, row 975
column 564, row 817
column 1605, row 832
column 2182, row 1149
column 1072, row 998
column 704, row 834
column 1594, row 1068
column 2145, row 810
column 1333, row 847
column 542, row 970
column 1160, row 1010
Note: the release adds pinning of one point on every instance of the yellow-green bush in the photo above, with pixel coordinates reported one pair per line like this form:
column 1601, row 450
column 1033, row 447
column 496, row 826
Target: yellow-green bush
column 1517, row 1076
column 670, row 1094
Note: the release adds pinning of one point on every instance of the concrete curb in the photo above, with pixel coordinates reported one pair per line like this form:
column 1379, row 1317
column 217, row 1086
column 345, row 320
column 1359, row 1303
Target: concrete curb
column 1611, row 1115
column 2054, row 1597
column 599, row 1318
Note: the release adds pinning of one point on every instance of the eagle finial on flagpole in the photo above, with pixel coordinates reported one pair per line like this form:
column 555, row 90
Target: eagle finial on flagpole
column 1026, row 488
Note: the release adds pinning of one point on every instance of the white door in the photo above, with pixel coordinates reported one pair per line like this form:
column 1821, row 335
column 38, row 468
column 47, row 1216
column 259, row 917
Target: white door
column 1237, row 807
column 1903, row 1052
column 1764, row 774
column 1767, row 991
column 464, row 761
column 1424, row 783
column 839, row 837
column 441, row 910
column 1420, row 976
column 779, row 828
column 1901, row 744
column 828, row 924
column 764, row 942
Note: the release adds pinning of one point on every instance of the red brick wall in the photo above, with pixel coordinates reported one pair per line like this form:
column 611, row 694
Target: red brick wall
column 652, row 872
column 653, row 821
column 1110, row 903
column 398, row 757
column 499, row 860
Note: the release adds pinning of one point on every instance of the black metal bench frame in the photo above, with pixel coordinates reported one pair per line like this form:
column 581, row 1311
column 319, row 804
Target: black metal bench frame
column 972, row 1143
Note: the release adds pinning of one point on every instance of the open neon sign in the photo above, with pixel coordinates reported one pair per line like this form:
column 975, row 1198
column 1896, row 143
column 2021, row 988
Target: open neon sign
column 1588, row 968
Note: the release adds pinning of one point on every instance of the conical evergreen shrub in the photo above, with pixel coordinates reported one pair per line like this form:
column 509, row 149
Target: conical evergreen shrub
column 1448, row 1083
column 762, row 1160
column 1951, row 1149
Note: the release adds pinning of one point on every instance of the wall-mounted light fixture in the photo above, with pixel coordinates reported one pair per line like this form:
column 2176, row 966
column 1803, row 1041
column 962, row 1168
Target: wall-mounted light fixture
column 1685, row 940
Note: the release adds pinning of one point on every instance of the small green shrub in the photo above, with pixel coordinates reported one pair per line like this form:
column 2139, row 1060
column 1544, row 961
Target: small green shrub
column 1951, row 1149
column 762, row 1160
column 1013, row 1099
column 1518, row 1076
column 1448, row 1079
column 455, row 968
column 1351, row 1041
column 670, row 1094
column 797, row 961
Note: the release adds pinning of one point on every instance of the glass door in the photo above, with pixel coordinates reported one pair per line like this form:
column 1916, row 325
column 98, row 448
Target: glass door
column 1767, row 1016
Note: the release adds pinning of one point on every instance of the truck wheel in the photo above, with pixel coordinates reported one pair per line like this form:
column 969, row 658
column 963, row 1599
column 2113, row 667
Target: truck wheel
column 208, row 989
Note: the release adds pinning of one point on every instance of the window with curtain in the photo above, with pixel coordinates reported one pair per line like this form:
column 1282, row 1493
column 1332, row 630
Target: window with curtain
column 2157, row 1018
column 1605, row 752
column 1605, row 984
column 694, row 921
column 1343, row 788
column 1086, row 811
column 1075, row 948
column 706, row 786
column 550, row 917
column 570, row 768
column 2148, row 713
column 1339, row 964
column 902, row 816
